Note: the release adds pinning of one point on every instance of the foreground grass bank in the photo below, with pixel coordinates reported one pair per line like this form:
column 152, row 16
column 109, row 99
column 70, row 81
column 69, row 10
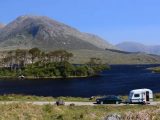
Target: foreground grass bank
column 24, row 111
column 14, row 97
column 52, row 112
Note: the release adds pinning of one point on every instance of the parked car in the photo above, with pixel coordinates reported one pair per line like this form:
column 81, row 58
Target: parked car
column 109, row 100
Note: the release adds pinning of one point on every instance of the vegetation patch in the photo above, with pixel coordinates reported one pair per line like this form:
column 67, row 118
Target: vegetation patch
column 19, row 97
column 52, row 112
column 35, row 63
column 155, row 69
column 15, row 97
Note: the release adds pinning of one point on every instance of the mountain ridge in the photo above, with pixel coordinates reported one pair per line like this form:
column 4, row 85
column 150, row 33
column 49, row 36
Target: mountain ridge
column 43, row 32
column 27, row 32
column 139, row 47
column 2, row 25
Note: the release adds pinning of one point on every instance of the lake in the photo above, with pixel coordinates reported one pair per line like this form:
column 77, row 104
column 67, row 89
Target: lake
column 117, row 81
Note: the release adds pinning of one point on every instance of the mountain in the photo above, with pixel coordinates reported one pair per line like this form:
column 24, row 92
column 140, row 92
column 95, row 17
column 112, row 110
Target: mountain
column 154, row 49
column 138, row 47
column 42, row 32
column 27, row 32
column 2, row 25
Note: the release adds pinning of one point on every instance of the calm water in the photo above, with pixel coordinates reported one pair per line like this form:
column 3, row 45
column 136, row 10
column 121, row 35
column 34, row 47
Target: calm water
column 119, row 80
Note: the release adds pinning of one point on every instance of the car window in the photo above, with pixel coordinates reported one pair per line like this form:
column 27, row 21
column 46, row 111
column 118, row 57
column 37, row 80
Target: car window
column 112, row 97
column 107, row 98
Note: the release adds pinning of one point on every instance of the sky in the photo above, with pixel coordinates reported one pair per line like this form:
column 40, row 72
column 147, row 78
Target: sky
column 114, row 20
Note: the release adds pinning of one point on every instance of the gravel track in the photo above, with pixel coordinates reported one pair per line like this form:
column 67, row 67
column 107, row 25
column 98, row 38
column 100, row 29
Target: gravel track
column 68, row 103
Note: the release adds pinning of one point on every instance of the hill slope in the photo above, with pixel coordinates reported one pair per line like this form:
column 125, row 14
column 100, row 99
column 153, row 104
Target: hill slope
column 2, row 25
column 37, row 31
column 114, row 57
column 137, row 47
column 43, row 32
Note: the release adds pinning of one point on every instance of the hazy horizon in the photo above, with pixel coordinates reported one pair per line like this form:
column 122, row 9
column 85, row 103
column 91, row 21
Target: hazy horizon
column 116, row 21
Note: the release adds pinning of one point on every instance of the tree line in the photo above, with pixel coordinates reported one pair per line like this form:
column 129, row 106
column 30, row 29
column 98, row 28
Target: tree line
column 37, row 63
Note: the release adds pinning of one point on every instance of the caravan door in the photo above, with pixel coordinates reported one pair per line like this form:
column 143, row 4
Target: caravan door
column 147, row 96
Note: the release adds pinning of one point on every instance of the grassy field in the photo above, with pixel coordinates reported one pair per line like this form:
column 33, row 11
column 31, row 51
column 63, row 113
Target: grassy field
column 52, row 112
column 24, row 111
column 111, row 57
column 14, row 97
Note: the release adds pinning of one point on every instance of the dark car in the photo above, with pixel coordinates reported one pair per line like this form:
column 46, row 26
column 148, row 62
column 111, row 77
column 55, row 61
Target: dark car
column 109, row 100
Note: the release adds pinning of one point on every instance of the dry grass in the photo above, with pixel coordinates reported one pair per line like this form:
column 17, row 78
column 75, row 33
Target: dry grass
column 16, row 97
column 110, row 57
column 50, row 112
column 23, row 111
column 20, row 97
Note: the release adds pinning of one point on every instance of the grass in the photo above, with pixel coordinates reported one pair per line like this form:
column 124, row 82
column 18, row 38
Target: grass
column 15, row 97
column 19, row 97
column 110, row 57
column 52, row 112
column 24, row 111
column 157, row 97
column 155, row 69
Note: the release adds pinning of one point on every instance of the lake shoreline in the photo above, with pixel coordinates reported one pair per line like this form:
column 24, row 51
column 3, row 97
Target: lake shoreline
column 31, row 77
column 154, row 69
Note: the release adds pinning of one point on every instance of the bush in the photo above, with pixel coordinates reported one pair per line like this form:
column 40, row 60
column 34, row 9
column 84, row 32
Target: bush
column 54, row 69
column 47, row 108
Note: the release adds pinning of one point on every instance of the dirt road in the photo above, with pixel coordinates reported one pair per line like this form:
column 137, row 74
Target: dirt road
column 67, row 103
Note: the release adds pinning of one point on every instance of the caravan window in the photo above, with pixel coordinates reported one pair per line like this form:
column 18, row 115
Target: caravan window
column 136, row 95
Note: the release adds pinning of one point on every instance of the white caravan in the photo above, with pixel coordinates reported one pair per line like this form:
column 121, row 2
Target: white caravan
column 140, row 96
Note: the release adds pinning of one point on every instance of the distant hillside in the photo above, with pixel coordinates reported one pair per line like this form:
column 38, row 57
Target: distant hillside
column 2, row 25
column 38, row 31
column 45, row 33
column 114, row 57
column 137, row 47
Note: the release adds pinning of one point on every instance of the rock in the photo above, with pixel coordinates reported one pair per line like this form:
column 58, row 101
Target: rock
column 60, row 102
column 72, row 104
column 113, row 117
column 141, row 115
